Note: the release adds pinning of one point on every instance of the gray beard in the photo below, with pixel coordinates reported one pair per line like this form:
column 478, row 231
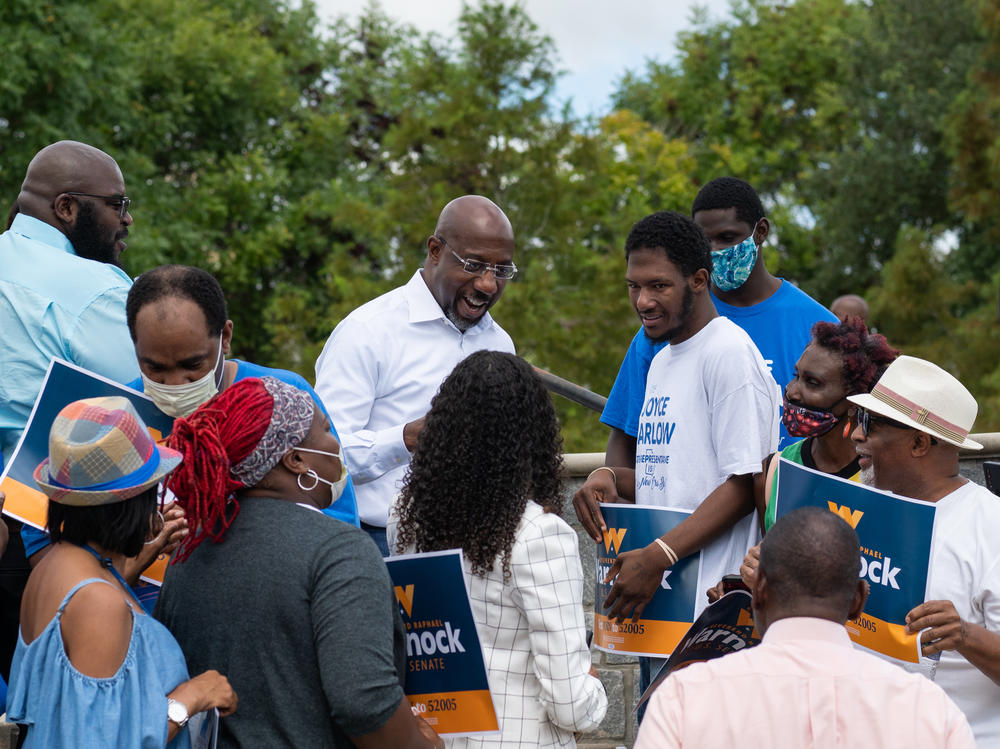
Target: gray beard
column 459, row 322
column 868, row 476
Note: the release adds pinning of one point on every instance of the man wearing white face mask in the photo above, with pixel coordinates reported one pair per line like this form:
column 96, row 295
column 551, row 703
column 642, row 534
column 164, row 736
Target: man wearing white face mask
column 179, row 324
column 776, row 315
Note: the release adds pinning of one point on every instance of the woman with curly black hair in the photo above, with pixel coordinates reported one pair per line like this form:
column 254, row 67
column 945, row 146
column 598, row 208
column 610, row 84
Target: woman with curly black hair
column 485, row 478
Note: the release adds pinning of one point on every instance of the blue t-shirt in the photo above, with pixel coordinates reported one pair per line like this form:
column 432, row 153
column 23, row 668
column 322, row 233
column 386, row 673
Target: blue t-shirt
column 345, row 508
column 780, row 326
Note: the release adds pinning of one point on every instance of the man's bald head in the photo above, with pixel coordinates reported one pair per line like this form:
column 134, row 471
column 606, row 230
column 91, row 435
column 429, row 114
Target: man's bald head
column 66, row 166
column 470, row 229
column 474, row 216
column 850, row 305
column 78, row 189
column 809, row 562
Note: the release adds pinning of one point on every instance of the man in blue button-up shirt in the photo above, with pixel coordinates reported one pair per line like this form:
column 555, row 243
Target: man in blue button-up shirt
column 62, row 293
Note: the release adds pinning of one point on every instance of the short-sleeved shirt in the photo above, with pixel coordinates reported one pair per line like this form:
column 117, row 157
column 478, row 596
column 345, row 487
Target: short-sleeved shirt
column 710, row 412
column 297, row 610
column 54, row 303
column 780, row 327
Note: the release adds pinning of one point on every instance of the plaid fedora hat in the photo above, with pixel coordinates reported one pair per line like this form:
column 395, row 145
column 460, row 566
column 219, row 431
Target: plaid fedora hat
column 101, row 452
column 921, row 395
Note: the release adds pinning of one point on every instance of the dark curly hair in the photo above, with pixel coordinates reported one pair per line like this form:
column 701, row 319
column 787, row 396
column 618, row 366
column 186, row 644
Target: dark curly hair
column 677, row 235
column 729, row 192
column 182, row 281
column 489, row 444
column 866, row 355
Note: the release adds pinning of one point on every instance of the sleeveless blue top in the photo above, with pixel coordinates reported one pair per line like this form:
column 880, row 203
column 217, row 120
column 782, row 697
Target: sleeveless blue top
column 64, row 707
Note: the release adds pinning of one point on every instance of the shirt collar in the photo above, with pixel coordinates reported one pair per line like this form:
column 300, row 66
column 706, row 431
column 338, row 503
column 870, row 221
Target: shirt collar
column 424, row 307
column 39, row 231
column 807, row 628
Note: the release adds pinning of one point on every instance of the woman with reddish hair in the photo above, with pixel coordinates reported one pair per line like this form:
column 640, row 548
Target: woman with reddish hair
column 842, row 359
column 297, row 605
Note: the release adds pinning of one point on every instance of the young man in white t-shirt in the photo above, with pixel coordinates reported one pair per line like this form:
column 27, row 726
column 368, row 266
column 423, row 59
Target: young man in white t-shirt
column 709, row 417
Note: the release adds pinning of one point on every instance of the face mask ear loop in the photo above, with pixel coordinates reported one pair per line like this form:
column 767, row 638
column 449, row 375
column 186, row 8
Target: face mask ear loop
column 313, row 475
column 222, row 374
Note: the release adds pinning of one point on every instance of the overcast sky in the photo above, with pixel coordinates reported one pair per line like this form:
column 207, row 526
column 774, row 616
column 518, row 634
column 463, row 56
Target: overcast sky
column 597, row 40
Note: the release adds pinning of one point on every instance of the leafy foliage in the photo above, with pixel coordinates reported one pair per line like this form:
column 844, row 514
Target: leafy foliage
column 306, row 166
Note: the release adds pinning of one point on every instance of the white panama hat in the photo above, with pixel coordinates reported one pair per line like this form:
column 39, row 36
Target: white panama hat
column 923, row 396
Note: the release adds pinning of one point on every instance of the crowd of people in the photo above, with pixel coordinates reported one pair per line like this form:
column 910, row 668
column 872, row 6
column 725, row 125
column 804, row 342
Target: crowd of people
column 425, row 432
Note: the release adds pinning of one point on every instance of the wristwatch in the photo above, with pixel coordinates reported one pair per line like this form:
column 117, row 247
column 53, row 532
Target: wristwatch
column 176, row 712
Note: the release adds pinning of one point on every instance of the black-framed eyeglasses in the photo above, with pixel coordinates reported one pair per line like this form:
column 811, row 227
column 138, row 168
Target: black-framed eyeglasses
column 866, row 419
column 121, row 202
column 478, row 267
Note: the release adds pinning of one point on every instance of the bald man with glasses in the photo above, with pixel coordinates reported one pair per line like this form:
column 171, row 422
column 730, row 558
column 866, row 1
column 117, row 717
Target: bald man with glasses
column 62, row 294
column 384, row 362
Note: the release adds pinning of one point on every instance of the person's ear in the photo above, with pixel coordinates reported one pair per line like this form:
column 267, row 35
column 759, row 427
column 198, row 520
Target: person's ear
column 698, row 281
column 761, row 231
column 294, row 462
column 227, row 337
column 920, row 443
column 860, row 597
column 65, row 208
column 434, row 248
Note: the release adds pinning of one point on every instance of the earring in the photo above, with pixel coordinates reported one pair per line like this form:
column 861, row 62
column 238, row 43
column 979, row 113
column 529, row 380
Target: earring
column 847, row 428
column 315, row 478
column 155, row 534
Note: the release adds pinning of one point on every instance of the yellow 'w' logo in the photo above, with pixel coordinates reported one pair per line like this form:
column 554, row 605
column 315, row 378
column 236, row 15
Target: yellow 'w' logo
column 851, row 517
column 613, row 537
column 405, row 597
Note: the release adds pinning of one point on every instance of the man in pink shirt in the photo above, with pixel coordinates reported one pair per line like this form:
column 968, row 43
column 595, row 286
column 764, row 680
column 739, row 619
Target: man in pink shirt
column 805, row 685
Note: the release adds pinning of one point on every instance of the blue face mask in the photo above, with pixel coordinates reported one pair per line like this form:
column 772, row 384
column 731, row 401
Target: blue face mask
column 731, row 267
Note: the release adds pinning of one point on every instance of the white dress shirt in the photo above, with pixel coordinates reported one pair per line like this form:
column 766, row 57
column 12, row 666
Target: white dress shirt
column 533, row 635
column 379, row 370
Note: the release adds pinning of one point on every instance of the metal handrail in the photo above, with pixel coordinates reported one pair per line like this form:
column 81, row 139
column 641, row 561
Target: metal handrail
column 571, row 391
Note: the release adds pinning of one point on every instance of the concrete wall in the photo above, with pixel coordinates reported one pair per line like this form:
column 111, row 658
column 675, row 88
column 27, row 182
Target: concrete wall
column 620, row 673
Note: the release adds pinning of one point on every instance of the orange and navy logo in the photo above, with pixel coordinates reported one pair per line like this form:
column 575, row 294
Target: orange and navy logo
column 405, row 597
column 851, row 517
column 613, row 537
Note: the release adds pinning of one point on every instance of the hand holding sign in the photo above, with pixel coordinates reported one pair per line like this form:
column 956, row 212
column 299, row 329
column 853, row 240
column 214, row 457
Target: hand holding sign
column 748, row 570
column 599, row 487
column 945, row 629
column 637, row 576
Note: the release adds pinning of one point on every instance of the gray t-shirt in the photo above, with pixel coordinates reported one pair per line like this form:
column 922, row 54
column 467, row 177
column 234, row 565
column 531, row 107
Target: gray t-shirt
column 296, row 609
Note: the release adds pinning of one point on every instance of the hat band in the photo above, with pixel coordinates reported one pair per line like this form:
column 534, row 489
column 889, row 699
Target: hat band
column 920, row 414
column 129, row 480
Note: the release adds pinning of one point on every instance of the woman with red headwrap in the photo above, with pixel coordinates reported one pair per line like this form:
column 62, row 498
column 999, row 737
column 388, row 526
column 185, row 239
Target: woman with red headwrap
column 298, row 605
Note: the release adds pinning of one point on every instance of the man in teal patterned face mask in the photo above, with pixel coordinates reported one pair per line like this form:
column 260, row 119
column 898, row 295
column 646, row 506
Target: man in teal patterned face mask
column 739, row 275
column 733, row 265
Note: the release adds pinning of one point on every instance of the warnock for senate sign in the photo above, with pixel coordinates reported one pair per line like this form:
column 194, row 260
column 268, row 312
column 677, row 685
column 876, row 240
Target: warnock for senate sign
column 446, row 679
column 896, row 534
column 669, row 614
column 63, row 384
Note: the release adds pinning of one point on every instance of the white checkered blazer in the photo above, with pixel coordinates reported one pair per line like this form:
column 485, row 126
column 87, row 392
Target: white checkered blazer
column 534, row 638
